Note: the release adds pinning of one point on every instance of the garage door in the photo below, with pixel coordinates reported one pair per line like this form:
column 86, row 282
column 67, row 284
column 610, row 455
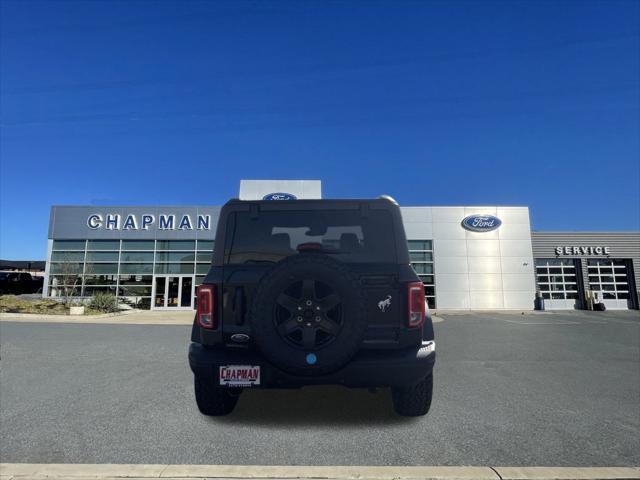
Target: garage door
column 610, row 280
column 558, row 283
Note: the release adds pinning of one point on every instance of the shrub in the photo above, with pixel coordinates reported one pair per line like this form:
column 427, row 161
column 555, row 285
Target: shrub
column 104, row 302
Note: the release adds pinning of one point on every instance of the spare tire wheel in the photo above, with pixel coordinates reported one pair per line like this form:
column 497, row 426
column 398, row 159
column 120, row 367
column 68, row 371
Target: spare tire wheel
column 308, row 314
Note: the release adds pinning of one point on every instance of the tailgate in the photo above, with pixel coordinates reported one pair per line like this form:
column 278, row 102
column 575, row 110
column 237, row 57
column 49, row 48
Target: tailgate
column 385, row 302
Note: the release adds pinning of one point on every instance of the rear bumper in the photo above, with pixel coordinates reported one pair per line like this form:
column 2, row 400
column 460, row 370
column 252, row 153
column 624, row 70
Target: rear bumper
column 369, row 368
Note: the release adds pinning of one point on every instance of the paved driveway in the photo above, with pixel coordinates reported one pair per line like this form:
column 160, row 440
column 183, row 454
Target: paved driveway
column 535, row 389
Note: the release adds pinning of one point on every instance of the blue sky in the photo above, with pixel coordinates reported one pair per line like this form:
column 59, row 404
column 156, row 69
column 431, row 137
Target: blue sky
column 436, row 103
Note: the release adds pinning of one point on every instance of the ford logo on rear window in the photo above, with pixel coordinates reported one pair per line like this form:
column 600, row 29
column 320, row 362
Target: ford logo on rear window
column 481, row 223
column 280, row 196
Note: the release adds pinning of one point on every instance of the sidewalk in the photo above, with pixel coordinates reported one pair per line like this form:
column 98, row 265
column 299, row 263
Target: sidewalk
column 20, row 471
column 126, row 317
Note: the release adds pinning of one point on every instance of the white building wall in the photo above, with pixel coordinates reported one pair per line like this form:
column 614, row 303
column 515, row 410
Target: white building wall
column 477, row 270
column 302, row 189
column 47, row 266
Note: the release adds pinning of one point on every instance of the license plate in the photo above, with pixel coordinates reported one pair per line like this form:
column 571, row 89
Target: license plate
column 239, row 375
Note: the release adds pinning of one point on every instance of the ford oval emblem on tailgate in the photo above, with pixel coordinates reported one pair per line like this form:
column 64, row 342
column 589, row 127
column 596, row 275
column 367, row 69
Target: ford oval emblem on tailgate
column 240, row 337
column 481, row 223
column 280, row 196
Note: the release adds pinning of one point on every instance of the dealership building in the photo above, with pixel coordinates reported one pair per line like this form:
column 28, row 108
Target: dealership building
column 468, row 257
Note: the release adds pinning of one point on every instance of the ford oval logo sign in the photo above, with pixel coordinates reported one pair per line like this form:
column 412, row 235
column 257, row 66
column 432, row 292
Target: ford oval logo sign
column 280, row 196
column 481, row 223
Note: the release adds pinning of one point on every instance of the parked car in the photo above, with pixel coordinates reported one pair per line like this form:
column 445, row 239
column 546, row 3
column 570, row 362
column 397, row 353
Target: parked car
column 18, row 283
column 36, row 284
column 311, row 292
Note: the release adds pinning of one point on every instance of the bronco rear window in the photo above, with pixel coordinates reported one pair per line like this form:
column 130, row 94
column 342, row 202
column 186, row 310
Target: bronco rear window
column 343, row 234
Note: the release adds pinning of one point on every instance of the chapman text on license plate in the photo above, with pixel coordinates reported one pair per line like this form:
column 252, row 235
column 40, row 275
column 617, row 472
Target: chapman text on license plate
column 239, row 375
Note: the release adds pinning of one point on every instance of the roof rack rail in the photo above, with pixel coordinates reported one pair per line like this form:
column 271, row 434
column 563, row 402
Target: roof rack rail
column 389, row 198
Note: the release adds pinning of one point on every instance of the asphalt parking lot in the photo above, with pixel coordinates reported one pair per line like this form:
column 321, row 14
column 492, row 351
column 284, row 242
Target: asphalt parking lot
column 535, row 389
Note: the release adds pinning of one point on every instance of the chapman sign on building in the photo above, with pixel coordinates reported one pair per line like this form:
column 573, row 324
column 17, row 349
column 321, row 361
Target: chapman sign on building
column 114, row 221
column 469, row 258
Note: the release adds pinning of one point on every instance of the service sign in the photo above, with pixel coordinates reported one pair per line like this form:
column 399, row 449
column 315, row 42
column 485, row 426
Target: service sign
column 280, row 196
column 481, row 223
column 583, row 250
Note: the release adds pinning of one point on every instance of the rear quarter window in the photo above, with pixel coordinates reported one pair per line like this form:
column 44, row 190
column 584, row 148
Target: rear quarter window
column 343, row 234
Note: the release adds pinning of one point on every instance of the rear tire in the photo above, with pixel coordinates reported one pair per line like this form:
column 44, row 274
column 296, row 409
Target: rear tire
column 413, row 401
column 213, row 400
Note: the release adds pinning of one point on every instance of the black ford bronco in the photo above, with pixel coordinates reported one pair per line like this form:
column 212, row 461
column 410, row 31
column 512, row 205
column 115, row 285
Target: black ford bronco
column 311, row 292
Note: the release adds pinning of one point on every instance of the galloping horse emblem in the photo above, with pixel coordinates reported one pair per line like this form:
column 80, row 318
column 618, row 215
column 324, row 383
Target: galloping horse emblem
column 384, row 304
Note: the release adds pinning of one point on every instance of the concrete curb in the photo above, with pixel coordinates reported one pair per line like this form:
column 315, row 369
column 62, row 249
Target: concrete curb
column 567, row 473
column 23, row 471
column 128, row 317
column 28, row 316
column 459, row 313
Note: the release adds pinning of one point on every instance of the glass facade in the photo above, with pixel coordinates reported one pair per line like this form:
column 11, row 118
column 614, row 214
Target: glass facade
column 421, row 256
column 126, row 268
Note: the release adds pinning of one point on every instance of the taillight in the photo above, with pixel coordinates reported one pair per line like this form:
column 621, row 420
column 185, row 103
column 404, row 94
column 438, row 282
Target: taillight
column 416, row 304
column 205, row 315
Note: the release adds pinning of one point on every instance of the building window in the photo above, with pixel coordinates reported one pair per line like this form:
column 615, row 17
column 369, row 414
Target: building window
column 205, row 245
column 556, row 278
column 175, row 268
column 138, row 245
column 67, row 256
column 69, row 245
column 176, row 245
column 93, row 268
column 66, row 267
column 112, row 245
column 609, row 278
column 173, row 257
column 138, row 268
column 136, row 257
column 136, row 280
column 421, row 256
column 102, row 256
column 100, row 280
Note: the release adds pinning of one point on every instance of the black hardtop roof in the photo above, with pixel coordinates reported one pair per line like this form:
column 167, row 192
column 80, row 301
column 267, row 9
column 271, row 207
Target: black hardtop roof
column 319, row 203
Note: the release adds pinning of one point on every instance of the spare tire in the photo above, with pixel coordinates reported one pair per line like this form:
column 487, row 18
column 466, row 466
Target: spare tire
column 308, row 314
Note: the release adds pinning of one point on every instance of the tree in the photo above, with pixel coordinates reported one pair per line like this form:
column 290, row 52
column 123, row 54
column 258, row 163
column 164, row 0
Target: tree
column 67, row 278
